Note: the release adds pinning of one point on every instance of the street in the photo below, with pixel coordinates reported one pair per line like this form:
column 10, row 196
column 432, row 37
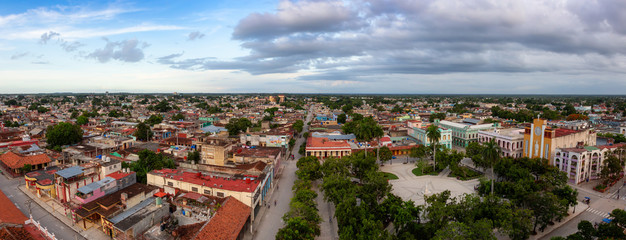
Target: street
column 599, row 208
column 272, row 220
column 54, row 225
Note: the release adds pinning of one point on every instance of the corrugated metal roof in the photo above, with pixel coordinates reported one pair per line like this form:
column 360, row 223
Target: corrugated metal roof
column 95, row 185
column 131, row 211
column 70, row 172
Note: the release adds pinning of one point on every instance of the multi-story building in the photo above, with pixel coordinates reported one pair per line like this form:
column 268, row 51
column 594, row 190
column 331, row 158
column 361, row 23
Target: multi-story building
column 464, row 133
column 266, row 139
column 420, row 134
column 247, row 189
column 541, row 141
column 214, row 151
column 510, row 140
column 583, row 163
column 110, row 184
column 324, row 147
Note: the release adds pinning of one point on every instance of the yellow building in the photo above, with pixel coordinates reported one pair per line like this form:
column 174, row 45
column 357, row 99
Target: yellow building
column 541, row 141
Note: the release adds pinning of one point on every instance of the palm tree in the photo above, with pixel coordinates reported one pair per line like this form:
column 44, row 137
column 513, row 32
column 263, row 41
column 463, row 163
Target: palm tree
column 365, row 130
column 491, row 153
column 433, row 134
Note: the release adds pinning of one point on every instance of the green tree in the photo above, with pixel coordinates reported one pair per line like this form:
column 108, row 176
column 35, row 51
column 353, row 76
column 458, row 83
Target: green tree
column 296, row 229
column 385, row 154
column 178, row 116
column 491, row 153
column 154, row 119
column 162, row 106
column 115, row 114
column 347, row 109
column 466, row 231
column 27, row 168
column 298, row 126
column 143, row 132
column 364, row 129
column 63, row 134
column 148, row 161
column 11, row 102
column 193, row 156
column 341, row 119
column 82, row 120
column 237, row 125
column 433, row 134
column 308, row 168
column 440, row 116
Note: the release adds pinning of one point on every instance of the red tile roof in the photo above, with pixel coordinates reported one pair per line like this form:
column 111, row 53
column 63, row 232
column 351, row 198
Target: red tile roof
column 227, row 223
column 559, row 132
column 119, row 175
column 238, row 185
column 15, row 160
column 325, row 143
column 10, row 213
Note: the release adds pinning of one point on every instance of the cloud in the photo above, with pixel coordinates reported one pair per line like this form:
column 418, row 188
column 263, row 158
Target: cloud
column 70, row 46
column 195, row 35
column 354, row 40
column 298, row 17
column 40, row 62
column 47, row 36
column 19, row 55
column 125, row 51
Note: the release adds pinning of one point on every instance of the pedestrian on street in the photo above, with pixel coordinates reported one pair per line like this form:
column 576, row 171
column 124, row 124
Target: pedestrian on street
column 274, row 202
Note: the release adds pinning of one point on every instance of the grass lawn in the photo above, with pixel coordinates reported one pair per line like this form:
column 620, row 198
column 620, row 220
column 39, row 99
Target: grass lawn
column 428, row 170
column 464, row 173
column 390, row 176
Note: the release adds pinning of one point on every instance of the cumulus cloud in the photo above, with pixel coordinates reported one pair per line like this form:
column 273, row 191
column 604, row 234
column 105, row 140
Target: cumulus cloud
column 47, row 36
column 195, row 35
column 126, row 51
column 350, row 40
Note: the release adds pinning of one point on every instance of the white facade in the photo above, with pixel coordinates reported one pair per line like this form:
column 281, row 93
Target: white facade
column 582, row 164
column 510, row 140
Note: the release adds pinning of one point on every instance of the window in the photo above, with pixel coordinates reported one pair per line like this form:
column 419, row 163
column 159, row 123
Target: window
column 207, row 192
column 171, row 184
column 220, row 194
column 195, row 189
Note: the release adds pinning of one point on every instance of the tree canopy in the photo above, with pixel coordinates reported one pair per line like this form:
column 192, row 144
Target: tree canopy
column 64, row 134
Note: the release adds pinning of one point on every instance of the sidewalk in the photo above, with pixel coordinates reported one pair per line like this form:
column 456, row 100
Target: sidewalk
column 92, row 233
column 580, row 208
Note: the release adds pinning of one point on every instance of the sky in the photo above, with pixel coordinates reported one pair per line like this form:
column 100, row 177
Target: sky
column 310, row 46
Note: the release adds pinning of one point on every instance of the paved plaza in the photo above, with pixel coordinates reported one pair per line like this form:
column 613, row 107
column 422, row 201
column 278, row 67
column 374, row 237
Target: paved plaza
column 411, row 187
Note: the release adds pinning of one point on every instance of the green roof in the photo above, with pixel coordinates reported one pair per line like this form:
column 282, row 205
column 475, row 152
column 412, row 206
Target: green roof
column 591, row 148
column 116, row 154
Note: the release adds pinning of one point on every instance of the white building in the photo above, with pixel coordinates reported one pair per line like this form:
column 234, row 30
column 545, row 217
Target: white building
column 510, row 140
column 583, row 163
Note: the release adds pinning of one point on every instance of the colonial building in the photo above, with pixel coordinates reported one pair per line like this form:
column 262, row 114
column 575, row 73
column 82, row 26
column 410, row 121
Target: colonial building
column 14, row 162
column 420, row 134
column 541, row 141
column 510, row 140
column 464, row 133
column 324, row 147
column 583, row 163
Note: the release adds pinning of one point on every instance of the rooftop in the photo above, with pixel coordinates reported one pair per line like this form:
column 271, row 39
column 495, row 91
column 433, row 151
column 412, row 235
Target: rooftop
column 313, row 142
column 227, row 222
column 234, row 184
column 16, row 160
column 70, row 172
column 10, row 214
